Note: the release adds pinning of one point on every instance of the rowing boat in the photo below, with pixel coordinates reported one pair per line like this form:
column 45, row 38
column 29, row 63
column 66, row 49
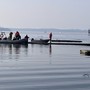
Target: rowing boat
column 21, row 41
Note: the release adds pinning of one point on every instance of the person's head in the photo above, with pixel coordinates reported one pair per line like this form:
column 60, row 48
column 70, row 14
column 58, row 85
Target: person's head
column 16, row 31
column 11, row 32
column 26, row 36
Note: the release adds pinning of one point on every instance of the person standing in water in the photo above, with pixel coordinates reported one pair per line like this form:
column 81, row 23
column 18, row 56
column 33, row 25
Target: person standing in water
column 50, row 36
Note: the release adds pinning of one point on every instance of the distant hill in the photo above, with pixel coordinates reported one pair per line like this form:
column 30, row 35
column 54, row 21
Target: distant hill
column 40, row 29
column 45, row 29
column 4, row 29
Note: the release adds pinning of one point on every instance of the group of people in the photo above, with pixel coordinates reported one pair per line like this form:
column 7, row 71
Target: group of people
column 16, row 37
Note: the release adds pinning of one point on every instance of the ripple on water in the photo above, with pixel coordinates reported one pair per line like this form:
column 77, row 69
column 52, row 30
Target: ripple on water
column 45, row 77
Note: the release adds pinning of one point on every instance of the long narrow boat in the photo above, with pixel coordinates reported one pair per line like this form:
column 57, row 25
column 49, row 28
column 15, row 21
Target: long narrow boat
column 66, row 40
column 21, row 41
column 41, row 41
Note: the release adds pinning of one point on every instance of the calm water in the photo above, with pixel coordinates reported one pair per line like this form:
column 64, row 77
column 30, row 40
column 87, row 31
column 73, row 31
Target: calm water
column 45, row 67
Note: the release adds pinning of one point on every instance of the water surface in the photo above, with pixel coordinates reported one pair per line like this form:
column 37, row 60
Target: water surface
column 44, row 67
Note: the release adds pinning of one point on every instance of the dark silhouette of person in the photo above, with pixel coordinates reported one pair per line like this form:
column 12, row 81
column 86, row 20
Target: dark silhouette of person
column 10, row 35
column 50, row 36
column 17, row 36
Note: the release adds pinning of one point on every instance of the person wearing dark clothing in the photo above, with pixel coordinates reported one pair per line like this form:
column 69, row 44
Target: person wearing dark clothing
column 26, row 37
column 50, row 36
column 10, row 35
column 17, row 35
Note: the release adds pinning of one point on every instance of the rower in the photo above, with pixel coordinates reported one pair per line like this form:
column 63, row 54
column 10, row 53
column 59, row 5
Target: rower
column 10, row 35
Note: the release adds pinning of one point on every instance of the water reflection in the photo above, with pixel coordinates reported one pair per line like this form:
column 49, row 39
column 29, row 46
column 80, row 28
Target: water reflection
column 10, row 48
column 41, row 49
column 23, row 53
column 50, row 49
column 12, row 51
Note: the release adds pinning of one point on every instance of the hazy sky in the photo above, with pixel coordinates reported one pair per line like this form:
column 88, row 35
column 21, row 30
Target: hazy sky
column 45, row 14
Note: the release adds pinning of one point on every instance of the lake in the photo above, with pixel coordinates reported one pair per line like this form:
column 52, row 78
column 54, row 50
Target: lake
column 45, row 67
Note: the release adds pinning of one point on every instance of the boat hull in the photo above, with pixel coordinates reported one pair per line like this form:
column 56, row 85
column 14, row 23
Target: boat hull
column 41, row 41
column 21, row 41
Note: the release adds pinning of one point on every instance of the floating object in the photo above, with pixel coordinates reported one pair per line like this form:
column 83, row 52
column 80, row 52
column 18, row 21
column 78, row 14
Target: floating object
column 86, row 52
column 86, row 75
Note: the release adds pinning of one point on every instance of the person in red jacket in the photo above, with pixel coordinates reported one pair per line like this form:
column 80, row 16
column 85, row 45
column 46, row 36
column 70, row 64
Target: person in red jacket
column 17, row 35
